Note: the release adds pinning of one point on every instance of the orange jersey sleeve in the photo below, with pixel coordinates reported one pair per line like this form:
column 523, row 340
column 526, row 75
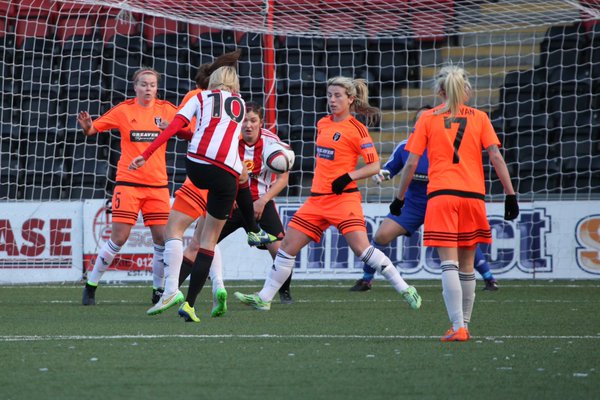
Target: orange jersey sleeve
column 454, row 148
column 138, row 127
column 338, row 146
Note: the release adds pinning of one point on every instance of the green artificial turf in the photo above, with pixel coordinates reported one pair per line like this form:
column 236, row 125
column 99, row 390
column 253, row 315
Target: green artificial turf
column 531, row 339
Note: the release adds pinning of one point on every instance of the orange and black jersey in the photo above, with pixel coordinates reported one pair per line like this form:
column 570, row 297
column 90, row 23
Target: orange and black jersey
column 455, row 148
column 338, row 146
column 138, row 127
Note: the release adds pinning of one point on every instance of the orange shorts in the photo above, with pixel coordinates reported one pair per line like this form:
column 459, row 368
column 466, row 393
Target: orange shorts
column 452, row 221
column 320, row 212
column 190, row 200
column 128, row 201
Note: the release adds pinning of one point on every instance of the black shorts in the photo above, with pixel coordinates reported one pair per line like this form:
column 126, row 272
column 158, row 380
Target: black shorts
column 222, row 187
column 269, row 221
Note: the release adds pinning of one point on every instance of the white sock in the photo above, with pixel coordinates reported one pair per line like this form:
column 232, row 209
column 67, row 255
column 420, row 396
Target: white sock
column 158, row 267
column 467, row 283
column 278, row 274
column 216, row 271
column 173, row 255
column 375, row 259
column 105, row 257
column 452, row 293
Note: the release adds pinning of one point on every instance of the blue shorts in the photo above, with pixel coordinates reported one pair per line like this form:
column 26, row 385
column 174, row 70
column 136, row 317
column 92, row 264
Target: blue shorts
column 412, row 217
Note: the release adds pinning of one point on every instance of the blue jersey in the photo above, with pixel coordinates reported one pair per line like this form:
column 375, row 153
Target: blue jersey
column 415, row 200
column 417, row 190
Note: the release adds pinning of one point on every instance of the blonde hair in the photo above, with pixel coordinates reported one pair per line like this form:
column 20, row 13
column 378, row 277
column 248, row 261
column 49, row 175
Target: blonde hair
column 143, row 71
column 358, row 89
column 224, row 78
column 453, row 85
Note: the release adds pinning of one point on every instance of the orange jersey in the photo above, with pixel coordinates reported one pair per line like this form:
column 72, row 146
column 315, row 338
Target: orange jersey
column 138, row 127
column 454, row 148
column 339, row 144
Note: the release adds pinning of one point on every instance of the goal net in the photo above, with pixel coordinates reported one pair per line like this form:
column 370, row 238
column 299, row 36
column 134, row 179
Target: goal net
column 534, row 66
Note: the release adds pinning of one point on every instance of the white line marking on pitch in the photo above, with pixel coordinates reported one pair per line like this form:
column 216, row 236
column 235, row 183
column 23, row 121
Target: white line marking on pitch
column 271, row 336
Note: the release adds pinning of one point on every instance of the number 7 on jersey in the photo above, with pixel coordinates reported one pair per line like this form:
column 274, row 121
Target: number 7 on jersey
column 462, row 125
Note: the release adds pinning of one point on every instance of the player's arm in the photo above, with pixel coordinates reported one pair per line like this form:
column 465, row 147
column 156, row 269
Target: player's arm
column 406, row 176
column 178, row 123
column 85, row 120
column 281, row 181
column 392, row 167
column 511, row 206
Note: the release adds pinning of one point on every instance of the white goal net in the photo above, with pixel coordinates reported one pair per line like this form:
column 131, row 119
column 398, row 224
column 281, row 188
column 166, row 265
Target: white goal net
column 534, row 66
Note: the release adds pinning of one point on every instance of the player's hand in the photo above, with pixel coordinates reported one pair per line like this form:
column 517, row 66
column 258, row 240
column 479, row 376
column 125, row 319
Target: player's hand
column 163, row 124
column 338, row 185
column 396, row 206
column 137, row 162
column 85, row 120
column 511, row 207
column 383, row 175
column 259, row 207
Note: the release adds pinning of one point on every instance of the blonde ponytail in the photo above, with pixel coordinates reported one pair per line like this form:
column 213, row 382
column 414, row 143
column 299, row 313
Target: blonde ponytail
column 453, row 85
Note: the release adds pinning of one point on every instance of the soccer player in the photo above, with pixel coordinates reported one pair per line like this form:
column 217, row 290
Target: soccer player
column 139, row 121
column 413, row 214
column 455, row 221
column 213, row 163
column 264, row 186
column 335, row 199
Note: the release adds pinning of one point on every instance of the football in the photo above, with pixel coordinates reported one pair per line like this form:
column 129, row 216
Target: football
column 278, row 157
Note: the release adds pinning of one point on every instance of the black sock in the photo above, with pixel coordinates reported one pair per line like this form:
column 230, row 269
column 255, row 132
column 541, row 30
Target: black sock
column 286, row 285
column 186, row 270
column 92, row 288
column 246, row 206
column 200, row 272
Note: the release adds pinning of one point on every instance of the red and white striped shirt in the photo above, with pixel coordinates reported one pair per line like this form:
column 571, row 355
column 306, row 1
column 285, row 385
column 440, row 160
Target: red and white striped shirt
column 261, row 178
column 219, row 116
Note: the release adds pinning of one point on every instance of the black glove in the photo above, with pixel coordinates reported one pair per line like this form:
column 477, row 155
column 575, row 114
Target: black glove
column 511, row 207
column 396, row 206
column 338, row 185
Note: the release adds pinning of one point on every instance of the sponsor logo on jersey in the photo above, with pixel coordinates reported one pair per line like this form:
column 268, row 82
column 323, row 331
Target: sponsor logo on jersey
column 144, row 136
column 337, row 136
column 421, row 177
column 366, row 145
column 325, row 152
column 157, row 121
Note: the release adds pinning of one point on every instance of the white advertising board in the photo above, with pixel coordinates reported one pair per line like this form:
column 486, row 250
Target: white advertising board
column 40, row 242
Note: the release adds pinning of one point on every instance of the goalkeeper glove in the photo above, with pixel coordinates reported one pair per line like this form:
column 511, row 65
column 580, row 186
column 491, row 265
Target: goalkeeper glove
column 396, row 206
column 511, row 207
column 338, row 185
column 383, row 175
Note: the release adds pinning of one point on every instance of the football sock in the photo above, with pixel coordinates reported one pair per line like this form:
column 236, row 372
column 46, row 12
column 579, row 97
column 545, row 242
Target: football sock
column 216, row 271
column 482, row 266
column 246, row 206
column 286, row 285
column 368, row 272
column 158, row 267
column 105, row 257
column 173, row 255
column 185, row 270
column 375, row 259
column 467, row 284
column 452, row 293
column 200, row 272
column 278, row 274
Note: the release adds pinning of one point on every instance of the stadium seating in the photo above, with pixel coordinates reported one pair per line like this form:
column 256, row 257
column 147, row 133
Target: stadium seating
column 250, row 66
column 44, row 169
column 80, row 62
column 564, row 46
column 10, row 170
column 343, row 56
column 89, row 171
column 123, row 49
column 168, row 53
